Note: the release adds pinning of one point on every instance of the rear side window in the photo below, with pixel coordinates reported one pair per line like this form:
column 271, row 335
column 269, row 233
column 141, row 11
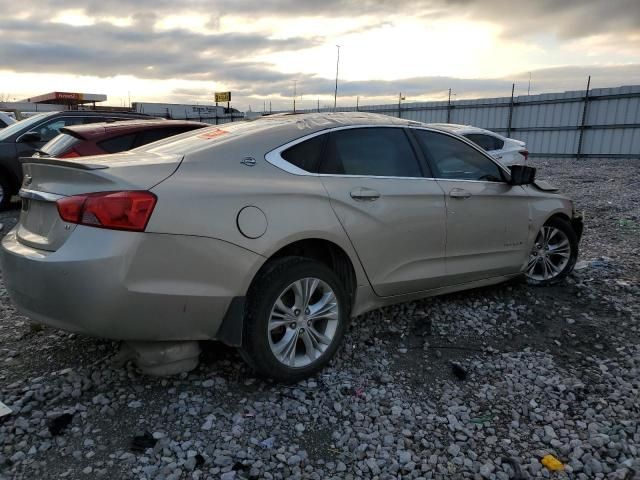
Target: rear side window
column 378, row 152
column 452, row 159
column 150, row 136
column 306, row 155
column 118, row 144
column 487, row 142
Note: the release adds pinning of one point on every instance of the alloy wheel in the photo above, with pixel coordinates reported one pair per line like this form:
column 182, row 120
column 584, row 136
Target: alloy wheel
column 303, row 322
column 550, row 254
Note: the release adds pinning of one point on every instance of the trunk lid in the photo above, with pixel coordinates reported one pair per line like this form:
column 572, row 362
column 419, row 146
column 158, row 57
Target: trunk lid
column 48, row 179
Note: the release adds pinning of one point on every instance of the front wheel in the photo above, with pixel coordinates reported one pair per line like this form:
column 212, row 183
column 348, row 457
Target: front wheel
column 295, row 319
column 553, row 254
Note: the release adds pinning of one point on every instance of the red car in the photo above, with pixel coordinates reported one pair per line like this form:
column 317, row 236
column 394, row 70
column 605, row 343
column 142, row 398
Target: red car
column 113, row 137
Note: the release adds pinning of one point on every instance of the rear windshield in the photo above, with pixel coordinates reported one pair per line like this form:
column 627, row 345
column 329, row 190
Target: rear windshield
column 59, row 145
column 202, row 138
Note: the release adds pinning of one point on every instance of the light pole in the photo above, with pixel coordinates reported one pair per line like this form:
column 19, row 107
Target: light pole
column 335, row 93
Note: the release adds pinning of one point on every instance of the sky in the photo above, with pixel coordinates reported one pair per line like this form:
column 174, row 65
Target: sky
column 265, row 50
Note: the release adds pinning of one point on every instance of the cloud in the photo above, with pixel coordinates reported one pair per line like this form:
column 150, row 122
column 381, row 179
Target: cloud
column 33, row 43
column 565, row 18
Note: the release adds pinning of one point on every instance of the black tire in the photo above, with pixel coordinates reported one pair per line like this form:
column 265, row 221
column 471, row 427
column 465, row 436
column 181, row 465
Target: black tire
column 264, row 292
column 565, row 227
column 5, row 193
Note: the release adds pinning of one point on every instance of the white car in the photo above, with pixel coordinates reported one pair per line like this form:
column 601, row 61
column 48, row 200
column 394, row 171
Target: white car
column 6, row 119
column 507, row 151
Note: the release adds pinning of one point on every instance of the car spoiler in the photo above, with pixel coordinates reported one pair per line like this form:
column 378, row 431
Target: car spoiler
column 62, row 163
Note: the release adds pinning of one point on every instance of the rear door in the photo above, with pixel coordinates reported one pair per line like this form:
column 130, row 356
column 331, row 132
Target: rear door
column 393, row 215
column 487, row 219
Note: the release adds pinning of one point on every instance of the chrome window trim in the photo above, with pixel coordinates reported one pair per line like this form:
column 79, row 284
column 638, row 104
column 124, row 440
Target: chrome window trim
column 35, row 195
column 274, row 156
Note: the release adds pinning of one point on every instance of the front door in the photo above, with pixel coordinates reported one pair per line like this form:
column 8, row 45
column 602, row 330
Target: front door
column 487, row 219
column 394, row 217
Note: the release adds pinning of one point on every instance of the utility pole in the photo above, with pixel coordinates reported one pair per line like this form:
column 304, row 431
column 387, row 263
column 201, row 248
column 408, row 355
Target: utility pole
column 584, row 118
column 129, row 96
column 513, row 87
column 357, row 104
column 529, row 87
column 400, row 98
column 335, row 93
column 295, row 85
column 449, row 108
column 269, row 106
column 318, row 105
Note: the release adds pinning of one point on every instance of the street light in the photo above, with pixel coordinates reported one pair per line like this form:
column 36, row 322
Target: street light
column 335, row 93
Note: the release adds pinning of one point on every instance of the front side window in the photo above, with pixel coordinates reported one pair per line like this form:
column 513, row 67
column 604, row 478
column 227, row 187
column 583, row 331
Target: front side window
column 51, row 129
column 452, row 159
column 379, row 152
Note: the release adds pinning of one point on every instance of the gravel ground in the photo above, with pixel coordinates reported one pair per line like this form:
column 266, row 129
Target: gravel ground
column 479, row 384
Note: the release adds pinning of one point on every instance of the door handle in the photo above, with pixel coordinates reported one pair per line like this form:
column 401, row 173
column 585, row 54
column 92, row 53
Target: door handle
column 365, row 194
column 459, row 193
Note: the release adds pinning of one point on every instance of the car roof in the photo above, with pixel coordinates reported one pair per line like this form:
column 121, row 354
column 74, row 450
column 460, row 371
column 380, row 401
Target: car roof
column 271, row 131
column 463, row 129
column 92, row 131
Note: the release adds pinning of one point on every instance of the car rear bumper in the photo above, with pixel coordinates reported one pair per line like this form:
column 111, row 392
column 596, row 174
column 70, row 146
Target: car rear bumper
column 129, row 286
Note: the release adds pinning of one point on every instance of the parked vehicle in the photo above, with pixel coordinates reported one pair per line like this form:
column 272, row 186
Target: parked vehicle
column 114, row 137
column 508, row 151
column 269, row 235
column 6, row 120
column 23, row 138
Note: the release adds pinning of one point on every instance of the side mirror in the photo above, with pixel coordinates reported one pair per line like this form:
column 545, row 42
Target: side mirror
column 522, row 175
column 31, row 137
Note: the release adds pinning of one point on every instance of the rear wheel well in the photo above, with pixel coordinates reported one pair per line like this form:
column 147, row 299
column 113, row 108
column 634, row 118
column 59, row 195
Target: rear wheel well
column 323, row 251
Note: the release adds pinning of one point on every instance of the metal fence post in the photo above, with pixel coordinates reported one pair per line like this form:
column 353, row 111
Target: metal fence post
column 584, row 119
column 513, row 86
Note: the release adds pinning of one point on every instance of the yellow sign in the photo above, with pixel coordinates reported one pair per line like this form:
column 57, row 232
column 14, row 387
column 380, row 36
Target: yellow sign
column 223, row 96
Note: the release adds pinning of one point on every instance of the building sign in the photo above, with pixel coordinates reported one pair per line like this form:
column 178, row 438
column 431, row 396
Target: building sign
column 223, row 96
column 68, row 96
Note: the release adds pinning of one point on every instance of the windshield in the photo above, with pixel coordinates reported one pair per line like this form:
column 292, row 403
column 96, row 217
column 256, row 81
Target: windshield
column 20, row 126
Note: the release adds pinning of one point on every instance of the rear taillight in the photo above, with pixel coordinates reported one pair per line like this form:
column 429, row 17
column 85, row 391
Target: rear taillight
column 525, row 154
column 70, row 154
column 115, row 210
